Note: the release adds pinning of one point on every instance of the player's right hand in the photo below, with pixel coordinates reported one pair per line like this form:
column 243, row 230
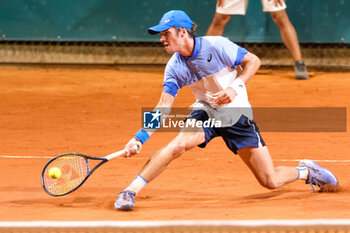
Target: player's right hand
column 133, row 147
column 225, row 96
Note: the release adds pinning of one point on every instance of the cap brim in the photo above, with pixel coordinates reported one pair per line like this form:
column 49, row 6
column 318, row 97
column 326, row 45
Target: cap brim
column 158, row 28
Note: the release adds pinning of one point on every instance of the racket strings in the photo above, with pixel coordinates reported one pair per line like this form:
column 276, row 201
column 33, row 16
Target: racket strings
column 74, row 168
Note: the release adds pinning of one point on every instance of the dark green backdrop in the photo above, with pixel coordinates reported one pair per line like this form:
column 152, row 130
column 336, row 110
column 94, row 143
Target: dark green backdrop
column 316, row 21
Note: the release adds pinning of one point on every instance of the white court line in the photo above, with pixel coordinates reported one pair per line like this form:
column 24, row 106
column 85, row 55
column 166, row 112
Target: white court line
column 26, row 157
column 40, row 157
column 316, row 160
column 282, row 160
column 142, row 224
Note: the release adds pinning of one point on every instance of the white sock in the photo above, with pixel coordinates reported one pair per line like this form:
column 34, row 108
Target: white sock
column 303, row 173
column 137, row 184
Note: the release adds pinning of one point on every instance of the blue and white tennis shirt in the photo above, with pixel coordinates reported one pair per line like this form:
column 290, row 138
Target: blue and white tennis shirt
column 213, row 66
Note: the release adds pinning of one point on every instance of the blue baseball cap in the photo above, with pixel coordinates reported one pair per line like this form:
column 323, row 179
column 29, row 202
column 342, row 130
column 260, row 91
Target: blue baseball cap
column 174, row 18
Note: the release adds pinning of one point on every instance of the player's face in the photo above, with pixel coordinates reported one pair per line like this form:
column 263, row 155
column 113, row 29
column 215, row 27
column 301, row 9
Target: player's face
column 171, row 41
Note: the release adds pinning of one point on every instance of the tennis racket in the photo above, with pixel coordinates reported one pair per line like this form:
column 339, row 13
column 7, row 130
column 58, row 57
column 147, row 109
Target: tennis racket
column 75, row 170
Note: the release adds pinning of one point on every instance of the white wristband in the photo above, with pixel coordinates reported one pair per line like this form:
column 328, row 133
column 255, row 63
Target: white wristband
column 238, row 85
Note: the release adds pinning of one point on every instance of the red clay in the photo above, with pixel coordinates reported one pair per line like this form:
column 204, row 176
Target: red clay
column 46, row 112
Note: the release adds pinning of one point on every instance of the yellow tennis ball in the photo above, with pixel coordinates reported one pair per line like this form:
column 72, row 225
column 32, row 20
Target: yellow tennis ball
column 55, row 173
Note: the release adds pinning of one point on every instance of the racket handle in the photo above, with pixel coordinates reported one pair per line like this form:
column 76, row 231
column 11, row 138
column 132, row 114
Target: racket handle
column 120, row 153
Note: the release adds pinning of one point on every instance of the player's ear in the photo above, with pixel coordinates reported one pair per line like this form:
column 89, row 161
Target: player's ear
column 183, row 32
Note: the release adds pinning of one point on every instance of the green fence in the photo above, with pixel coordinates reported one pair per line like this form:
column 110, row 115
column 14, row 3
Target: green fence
column 316, row 21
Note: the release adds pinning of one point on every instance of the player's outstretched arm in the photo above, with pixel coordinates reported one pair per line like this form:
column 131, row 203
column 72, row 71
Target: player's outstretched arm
column 165, row 103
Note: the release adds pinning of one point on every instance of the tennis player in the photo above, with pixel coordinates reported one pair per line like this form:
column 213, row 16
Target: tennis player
column 217, row 71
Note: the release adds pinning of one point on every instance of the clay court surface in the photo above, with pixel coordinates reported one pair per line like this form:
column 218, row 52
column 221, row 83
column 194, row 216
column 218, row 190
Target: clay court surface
column 49, row 111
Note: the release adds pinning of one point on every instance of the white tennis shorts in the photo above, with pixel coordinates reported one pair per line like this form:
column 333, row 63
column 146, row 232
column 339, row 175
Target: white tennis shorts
column 239, row 7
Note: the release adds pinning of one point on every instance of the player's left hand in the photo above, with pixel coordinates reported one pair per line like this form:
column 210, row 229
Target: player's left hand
column 225, row 96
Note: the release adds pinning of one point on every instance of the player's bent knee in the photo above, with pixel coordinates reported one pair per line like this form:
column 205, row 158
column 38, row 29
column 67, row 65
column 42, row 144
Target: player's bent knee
column 177, row 148
column 270, row 183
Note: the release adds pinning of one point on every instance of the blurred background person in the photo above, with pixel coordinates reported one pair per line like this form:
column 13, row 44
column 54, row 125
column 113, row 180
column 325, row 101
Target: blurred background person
column 226, row 8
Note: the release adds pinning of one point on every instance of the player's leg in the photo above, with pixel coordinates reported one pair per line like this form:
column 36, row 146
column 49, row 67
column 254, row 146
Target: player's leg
column 224, row 10
column 259, row 161
column 184, row 141
column 157, row 163
column 244, row 139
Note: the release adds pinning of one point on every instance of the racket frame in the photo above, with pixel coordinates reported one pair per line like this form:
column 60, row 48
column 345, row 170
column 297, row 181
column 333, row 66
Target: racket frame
column 104, row 160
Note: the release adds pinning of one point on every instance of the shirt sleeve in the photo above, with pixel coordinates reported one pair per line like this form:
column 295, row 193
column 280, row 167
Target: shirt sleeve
column 241, row 52
column 171, row 82
column 170, row 88
column 232, row 53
